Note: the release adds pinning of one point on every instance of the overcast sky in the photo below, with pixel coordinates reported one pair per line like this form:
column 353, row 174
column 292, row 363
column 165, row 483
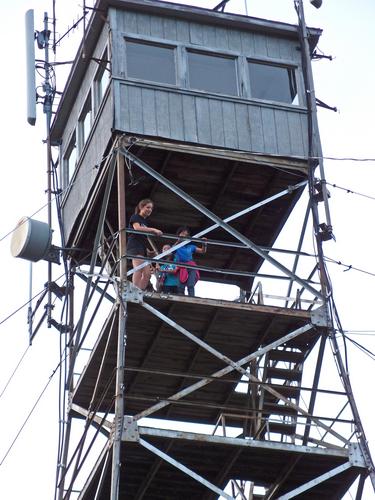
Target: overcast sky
column 347, row 82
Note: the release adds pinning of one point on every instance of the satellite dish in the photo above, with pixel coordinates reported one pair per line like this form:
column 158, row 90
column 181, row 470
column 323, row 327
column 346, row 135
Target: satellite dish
column 31, row 240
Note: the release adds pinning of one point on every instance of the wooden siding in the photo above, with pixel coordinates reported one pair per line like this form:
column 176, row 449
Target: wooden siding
column 181, row 114
column 86, row 173
column 206, row 36
column 209, row 120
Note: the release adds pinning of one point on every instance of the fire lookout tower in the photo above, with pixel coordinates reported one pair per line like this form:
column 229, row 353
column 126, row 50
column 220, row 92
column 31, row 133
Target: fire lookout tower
column 212, row 116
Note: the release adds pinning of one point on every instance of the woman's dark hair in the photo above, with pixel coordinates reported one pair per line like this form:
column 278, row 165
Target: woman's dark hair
column 141, row 204
column 183, row 228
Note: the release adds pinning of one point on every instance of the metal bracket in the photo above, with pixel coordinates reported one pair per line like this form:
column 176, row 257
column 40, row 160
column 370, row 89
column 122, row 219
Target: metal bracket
column 355, row 455
column 132, row 293
column 130, row 430
column 320, row 317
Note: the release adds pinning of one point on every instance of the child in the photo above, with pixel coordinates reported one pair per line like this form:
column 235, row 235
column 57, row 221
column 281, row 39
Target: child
column 187, row 277
column 168, row 274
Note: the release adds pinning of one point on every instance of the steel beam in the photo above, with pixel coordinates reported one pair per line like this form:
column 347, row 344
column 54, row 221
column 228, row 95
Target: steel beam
column 314, row 482
column 121, row 334
column 184, row 469
column 219, row 222
column 243, row 443
column 223, row 371
column 238, row 366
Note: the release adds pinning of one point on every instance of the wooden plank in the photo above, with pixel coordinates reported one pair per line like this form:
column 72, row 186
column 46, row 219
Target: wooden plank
column 216, row 120
column 297, row 129
column 209, row 37
column 260, row 45
column 156, row 27
column 273, row 47
column 149, row 111
column 183, row 31
column 170, row 28
column 129, row 22
column 234, row 40
column 143, row 24
column 256, row 129
column 203, row 120
column 247, row 43
column 222, row 41
column 122, row 111
column 196, row 34
column 230, row 129
column 175, row 116
column 269, row 128
column 189, row 119
column 162, row 114
column 243, row 126
column 282, row 132
column 134, row 106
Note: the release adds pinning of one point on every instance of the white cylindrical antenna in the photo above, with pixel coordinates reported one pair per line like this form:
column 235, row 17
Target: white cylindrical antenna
column 30, row 66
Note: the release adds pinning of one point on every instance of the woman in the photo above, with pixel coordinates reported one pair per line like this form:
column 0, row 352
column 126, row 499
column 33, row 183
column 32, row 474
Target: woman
column 187, row 277
column 138, row 243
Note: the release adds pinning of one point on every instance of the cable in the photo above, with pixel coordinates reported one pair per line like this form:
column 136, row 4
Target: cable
column 369, row 333
column 349, row 191
column 349, row 267
column 26, row 303
column 29, row 415
column 14, row 371
column 69, row 186
column 361, row 348
column 21, row 307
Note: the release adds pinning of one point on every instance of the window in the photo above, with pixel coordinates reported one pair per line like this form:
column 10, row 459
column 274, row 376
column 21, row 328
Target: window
column 101, row 80
column 271, row 82
column 212, row 73
column 155, row 63
column 70, row 159
column 84, row 123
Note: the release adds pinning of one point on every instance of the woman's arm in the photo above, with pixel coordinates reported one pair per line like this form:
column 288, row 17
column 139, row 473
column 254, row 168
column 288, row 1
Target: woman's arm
column 137, row 226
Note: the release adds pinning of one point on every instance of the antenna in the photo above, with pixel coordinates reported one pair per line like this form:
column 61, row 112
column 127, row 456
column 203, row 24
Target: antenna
column 30, row 66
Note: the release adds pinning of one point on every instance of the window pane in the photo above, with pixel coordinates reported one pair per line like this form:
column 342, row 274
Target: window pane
column 103, row 82
column 212, row 73
column 84, row 124
column 274, row 83
column 70, row 159
column 150, row 62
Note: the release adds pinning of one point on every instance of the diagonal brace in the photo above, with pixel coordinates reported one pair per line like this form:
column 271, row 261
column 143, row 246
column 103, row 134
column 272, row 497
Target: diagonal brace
column 232, row 366
column 317, row 480
column 184, row 469
column 220, row 222
column 247, row 210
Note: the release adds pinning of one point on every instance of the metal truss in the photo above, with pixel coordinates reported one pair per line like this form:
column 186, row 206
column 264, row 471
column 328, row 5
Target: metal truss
column 124, row 428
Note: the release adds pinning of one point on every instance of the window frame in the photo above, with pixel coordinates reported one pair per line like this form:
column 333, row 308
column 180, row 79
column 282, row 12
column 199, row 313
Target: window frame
column 277, row 64
column 222, row 55
column 154, row 43
column 99, row 89
column 68, row 168
column 87, row 109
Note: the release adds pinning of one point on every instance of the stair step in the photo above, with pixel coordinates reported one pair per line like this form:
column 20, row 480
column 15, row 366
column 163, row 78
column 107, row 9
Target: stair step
column 280, row 428
column 276, row 409
column 287, row 356
column 283, row 374
column 288, row 391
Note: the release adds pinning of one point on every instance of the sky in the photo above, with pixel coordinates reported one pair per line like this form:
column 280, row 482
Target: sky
column 28, row 440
